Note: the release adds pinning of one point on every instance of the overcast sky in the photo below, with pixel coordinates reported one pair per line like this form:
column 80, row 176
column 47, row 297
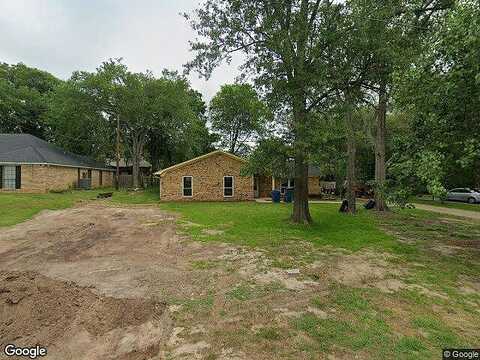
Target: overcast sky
column 61, row 36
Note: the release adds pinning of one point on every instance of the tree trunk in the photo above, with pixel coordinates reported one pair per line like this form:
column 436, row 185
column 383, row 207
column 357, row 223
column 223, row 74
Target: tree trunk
column 351, row 159
column 380, row 204
column 117, row 155
column 137, row 157
column 301, row 211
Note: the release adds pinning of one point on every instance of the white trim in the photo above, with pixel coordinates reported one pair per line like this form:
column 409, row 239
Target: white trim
column 52, row 164
column 191, row 184
column 233, row 186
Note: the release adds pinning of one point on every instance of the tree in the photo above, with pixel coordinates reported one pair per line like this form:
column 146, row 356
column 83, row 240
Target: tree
column 446, row 122
column 184, row 138
column 394, row 30
column 155, row 116
column 286, row 45
column 76, row 120
column 238, row 116
column 146, row 104
column 23, row 98
column 271, row 157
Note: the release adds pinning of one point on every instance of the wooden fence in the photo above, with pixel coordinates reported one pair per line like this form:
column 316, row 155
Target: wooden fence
column 126, row 181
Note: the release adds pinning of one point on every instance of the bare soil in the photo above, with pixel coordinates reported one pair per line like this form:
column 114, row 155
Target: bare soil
column 98, row 281
column 103, row 282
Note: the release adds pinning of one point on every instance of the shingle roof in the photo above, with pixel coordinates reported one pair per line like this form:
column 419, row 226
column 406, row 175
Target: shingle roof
column 313, row 170
column 28, row 149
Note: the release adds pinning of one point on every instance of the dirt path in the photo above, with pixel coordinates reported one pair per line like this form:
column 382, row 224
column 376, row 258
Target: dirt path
column 450, row 211
column 103, row 282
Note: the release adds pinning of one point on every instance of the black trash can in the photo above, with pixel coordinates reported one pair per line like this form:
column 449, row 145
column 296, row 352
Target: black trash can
column 275, row 196
column 289, row 195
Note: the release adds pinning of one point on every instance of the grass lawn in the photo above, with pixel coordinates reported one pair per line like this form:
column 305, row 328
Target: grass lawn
column 429, row 311
column 430, row 261
column 18, row 207
column 447, row 204
column 257, row 224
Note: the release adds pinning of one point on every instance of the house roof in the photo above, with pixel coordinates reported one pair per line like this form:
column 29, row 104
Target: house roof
column 179, row 165
column 28, row 149
column 128, row 163
column 313, row 170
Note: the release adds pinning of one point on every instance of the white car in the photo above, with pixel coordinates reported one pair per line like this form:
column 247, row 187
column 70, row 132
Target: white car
column 464, row 194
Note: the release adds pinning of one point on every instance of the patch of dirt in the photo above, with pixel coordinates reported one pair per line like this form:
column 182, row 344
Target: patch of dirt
column 363, row 268
column 288, row 281
column 448, row 250
column 212, row 232
column 37, row 310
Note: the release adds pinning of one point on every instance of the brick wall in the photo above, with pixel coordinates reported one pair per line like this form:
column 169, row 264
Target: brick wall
column 264, row 186
column 207, row 180
column 314, row 185
column 43, row 178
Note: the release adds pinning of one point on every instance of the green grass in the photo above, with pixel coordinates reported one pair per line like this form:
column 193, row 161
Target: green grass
column 256, row 224
column 18, row 207
column 269, row 333
column 447, row 204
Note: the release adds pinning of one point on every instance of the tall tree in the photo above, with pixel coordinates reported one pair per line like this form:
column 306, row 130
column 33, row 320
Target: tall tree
column 23, row 98
column 185, row 137
column 447, row 120
column 238, row 116
column 394, row 30
column 285, row 44
column 77, row 122
column 155, row 116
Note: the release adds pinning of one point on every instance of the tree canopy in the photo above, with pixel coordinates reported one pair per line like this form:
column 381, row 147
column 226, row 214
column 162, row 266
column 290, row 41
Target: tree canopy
column 23, row 98
column 239, row 117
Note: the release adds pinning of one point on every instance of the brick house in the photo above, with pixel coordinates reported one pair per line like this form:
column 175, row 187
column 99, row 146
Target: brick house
column 216, row 177
column 30, row 164
column 211, row 177
column 265, row 184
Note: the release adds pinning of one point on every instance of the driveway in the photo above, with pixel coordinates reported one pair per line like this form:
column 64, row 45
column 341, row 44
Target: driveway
column 450, row 211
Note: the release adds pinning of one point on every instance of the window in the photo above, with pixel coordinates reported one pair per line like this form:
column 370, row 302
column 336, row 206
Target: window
column 187, row 187
column 10, row 177
column 228, row 186
column 288, row 184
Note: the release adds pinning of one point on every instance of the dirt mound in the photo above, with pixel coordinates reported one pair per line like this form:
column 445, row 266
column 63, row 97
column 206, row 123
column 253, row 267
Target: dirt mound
column 35, row 309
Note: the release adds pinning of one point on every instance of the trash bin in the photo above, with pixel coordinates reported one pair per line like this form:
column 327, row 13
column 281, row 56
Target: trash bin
column 275, row 196
column 289, row 195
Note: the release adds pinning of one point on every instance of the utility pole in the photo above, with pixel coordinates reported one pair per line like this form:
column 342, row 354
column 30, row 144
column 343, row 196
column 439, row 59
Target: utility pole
column 118, row 152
